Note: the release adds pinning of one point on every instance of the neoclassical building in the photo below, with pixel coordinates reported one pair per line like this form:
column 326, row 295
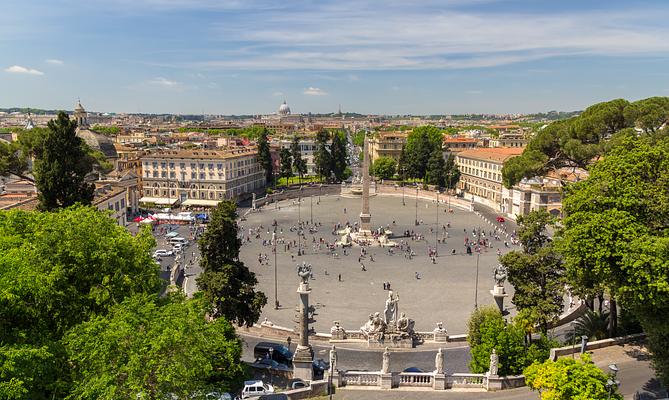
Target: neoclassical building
column 200, row 177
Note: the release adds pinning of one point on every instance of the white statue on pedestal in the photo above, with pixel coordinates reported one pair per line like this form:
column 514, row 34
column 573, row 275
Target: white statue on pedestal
column 439, row 362
column 385, row 367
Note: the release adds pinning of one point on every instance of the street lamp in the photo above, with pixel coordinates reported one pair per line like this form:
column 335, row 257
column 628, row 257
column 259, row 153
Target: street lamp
column 276, row 298
column 478, row 255
column 612, row 381
column 299, row 223
column 311, row 201
column 271, row 376
column 436, row 231
column 416, row 221
column 403, row 184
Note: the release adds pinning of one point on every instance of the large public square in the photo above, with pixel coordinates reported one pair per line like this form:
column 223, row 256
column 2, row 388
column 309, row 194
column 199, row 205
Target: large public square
column 429, row 292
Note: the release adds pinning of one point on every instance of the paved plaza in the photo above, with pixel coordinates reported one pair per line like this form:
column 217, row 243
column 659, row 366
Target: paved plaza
column 429, row 292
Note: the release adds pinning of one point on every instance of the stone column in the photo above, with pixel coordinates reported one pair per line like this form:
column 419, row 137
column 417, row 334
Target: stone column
column 304, row 354
column 365, row 216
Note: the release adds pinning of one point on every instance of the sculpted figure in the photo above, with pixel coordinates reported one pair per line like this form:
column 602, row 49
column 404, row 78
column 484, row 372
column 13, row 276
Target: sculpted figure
column 405, row 325
column 494, row 363
column 333, row 358
column 391, row 310
column 304, row 271
column 385, row 367
column 439, row 362
column 500, row 275
column 367, row 328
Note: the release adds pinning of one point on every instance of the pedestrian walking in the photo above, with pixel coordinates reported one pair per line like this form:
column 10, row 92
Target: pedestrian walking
column 339, row 277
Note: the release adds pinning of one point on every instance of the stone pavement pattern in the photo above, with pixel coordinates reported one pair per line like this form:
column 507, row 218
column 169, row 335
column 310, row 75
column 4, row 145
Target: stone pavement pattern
column 444, row 292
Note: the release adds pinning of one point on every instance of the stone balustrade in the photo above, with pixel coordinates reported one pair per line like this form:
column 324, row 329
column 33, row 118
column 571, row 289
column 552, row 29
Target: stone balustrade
column 360, row 378
column 460, row 380
column 415, row 379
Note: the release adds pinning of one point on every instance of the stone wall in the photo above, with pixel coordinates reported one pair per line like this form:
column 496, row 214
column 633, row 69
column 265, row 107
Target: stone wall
column 597, row 344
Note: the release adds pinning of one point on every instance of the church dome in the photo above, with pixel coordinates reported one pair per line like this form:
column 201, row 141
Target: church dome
column 284, row 109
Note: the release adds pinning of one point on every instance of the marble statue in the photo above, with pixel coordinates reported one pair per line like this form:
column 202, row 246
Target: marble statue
column 378, row 324
column 439, row 362
column 405, row 325
column 337, row 331
column 392, row 307
column 385, row 367
column 304, row 271
column 440, row 334
column 494, row 363
column 333, row 358
column 500, row 275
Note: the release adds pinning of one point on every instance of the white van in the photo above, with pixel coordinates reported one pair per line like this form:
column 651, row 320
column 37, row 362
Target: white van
column 256, row 389
column 179, row 240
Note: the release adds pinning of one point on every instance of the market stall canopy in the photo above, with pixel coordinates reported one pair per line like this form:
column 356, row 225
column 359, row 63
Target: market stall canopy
column 200, row 202
column 158, row 200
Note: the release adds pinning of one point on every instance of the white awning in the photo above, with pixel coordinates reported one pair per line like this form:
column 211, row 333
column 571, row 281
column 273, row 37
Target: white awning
column 158, row 200
column 200, row 202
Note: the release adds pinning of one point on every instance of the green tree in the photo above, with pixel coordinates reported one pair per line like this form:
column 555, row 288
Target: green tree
column 338, row 155
column 488, row 331
column 452, row 172
column 299, row 164
column 422, row 142
column 615, row 239
column 359, row 138
column 264, row 156
column 568, row 379
column 152, row 349
column 436, row 167
column 61, row 166
column 286, row 163
column 384, row 167
column 58, row 269
column 536, row 273
column 322, row 157
column 227, row 283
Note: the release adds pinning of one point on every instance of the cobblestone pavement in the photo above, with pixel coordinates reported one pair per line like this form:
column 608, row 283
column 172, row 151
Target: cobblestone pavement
column 445, row 291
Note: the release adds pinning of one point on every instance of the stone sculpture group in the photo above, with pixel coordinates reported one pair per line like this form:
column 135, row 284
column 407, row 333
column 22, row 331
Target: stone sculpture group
column 394, row 327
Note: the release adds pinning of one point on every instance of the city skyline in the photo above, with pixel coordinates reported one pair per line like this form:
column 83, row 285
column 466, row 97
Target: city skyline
column 234, row 57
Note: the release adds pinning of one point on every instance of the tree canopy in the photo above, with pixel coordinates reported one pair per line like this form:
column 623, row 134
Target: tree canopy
column 421, row 144
column 579, row 141
column 384, row 167
column 536, row 272
column 615, row 236
column 338, row 155
column 568, row 379
column 227, row 283
column 322, row 156
column 149, row 349
column 264, row 156
column 286, row 161
column 299, row 164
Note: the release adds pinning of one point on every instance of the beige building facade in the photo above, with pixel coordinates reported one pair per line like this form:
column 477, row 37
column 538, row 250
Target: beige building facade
column 387, row 144
column 200, row 177
column 481, row 174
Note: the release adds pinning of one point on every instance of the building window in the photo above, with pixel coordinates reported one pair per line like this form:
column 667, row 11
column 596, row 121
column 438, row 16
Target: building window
column 155, row 174
column 116, row 206
column 163, row 174
column 182, row 165
column 171, row 165
column 122, row 203
column 202, row 175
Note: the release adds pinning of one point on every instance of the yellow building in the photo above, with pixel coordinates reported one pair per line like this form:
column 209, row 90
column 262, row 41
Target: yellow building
column 387, row 144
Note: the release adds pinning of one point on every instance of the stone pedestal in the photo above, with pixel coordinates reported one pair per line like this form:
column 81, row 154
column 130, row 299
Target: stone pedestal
column 303, row 363
column 498, row 293
column 494, row 383
column 439, row 382
column 386, row 381
column 304, row 355
column 441, row 337
column 390, row 340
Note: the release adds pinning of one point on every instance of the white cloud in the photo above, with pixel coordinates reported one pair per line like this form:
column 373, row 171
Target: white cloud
column 55, row 61
column 313, row 91
column 347, row 35
column 161, row 81
column 17, row 69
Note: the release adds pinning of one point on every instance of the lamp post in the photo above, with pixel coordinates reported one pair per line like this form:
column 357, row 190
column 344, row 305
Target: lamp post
column 271, row 376
column 403, row 184
column 416, row 221
column 476, row 287
column 311, row 201
column 299, row 223
column 612, row 381
column 276, row 296
column 436, row 231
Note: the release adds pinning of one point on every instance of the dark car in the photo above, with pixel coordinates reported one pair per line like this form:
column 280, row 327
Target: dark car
column 274, row 396
column 296, row 383
column 319, row 367
column 279, row 353
column 413, row 369
column 266, row 363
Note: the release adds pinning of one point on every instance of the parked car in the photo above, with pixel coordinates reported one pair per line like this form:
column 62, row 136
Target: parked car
column 256, row 389
column 413, row 369
column 162, row 253
column 500, row 219
column 177, row 248
column 267, row 363
column 280, row 353
column 296, row 383
column 319, row 367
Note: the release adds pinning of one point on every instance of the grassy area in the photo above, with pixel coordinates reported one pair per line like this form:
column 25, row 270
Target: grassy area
column 296, row 180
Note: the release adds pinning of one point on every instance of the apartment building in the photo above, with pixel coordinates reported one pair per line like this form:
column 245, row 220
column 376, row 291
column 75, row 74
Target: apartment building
column 387, row 144
column 307, row 150
column 481, row 173
column 200, row 177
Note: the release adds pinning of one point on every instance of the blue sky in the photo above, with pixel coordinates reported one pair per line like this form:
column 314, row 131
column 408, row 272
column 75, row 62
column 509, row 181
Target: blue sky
column 391, row 57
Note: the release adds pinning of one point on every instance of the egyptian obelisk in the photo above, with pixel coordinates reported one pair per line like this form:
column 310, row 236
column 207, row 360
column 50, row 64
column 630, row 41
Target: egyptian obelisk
column 365, row 216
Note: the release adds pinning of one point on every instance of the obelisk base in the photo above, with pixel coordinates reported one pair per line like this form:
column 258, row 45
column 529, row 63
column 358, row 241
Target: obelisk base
column 303, row 363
